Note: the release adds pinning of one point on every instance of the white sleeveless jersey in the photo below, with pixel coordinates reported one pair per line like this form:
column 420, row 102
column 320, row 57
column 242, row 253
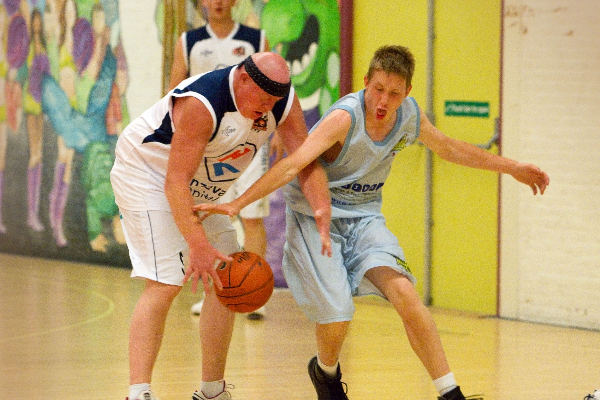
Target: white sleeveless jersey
column 357, row 176
column 142, row 150
column 204, row 51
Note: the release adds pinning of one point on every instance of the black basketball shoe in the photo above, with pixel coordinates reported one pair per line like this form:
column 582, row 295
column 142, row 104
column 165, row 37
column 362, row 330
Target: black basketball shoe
column 456, row 394
column 328, row 388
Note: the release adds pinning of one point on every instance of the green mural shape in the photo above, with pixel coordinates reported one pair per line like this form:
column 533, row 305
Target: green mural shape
column 307, row 34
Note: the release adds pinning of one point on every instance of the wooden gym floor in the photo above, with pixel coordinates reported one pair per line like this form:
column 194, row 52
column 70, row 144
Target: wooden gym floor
column 64, row 326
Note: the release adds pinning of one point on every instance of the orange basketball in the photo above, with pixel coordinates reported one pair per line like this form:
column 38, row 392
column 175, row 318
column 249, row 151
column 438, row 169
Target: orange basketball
column 247, row 282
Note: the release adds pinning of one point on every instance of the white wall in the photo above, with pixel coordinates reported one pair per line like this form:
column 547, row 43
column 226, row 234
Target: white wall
column 144, row 54
column 550, row 245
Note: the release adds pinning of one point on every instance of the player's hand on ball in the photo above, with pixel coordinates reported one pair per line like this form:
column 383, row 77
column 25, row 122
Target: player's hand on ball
column 202, row 266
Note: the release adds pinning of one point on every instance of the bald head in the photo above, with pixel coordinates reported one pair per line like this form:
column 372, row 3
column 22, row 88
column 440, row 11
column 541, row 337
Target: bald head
column 273, row 66
column 269, row 72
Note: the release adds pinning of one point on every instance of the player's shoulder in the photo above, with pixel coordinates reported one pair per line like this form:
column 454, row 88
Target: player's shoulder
column 197, row 34
column 250, row 35
column 249, row 29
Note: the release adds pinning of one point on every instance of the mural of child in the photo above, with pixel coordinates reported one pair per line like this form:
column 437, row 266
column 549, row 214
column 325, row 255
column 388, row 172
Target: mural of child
column 38, row 65
column 82, row 124
column 3, row 72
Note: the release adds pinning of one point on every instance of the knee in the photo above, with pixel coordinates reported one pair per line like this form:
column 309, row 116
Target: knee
column 162, row 292
column 404, row 296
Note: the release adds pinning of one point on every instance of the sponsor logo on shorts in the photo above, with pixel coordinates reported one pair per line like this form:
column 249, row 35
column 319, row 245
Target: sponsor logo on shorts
column 403, row 264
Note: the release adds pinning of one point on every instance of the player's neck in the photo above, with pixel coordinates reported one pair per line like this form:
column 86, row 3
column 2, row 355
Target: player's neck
column 222, row 27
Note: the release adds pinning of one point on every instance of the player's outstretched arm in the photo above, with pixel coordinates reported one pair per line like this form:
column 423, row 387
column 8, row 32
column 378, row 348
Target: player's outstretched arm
column 469, row 155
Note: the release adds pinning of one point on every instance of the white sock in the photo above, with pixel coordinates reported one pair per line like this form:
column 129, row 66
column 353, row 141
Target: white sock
column 445, row 383
column 329, row 370
column 212, row 389
column 136, row 389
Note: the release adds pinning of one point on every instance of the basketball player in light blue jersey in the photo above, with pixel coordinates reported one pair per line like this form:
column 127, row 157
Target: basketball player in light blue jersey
column 356, row 141
column 218, row 44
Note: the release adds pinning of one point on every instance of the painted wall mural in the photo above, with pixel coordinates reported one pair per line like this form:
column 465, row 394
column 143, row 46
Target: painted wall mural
column 63, row 73
column 64, row 77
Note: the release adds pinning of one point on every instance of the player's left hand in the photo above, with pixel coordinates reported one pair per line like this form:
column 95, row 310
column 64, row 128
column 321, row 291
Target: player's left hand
column 532, row 176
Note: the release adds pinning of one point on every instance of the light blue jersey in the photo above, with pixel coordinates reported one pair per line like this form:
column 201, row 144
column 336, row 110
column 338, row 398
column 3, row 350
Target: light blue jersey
column 357, row 176
column 324, row 286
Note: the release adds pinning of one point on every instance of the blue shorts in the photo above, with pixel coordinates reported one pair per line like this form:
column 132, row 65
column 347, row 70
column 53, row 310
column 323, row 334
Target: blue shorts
column 324, row 286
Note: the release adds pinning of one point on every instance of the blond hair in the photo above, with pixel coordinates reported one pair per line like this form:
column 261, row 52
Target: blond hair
column 395, row 60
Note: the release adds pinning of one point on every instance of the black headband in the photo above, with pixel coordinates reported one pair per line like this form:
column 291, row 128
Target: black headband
column 264, row 82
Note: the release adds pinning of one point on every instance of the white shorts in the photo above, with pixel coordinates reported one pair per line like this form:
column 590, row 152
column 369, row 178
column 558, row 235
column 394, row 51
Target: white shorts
column 257, row 168
column 324, row 286
column 157, row 249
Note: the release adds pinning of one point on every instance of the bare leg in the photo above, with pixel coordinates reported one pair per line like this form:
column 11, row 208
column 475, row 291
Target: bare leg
column 216, row 329
column 330, row 338
column 418, row 322
column 255, row 236
column 147, row 327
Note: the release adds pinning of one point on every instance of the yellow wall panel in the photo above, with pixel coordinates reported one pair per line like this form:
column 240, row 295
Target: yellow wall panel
column 465, row 201
column 377, row 23
column 467, row 65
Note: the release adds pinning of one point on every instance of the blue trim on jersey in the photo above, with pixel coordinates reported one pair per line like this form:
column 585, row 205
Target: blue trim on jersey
column 418, row 117
column 214, row 86
column 279, row 108
column 244, row 33
column 249, row 35
column 163, row 134
column 193, row 36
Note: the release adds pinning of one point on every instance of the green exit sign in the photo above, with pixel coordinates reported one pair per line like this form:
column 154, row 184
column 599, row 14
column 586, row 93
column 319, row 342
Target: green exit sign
column 479, row 109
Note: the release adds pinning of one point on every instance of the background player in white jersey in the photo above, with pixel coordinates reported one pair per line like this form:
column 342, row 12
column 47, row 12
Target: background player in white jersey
column 356, row 140
column 186, row 149
column 220, row 43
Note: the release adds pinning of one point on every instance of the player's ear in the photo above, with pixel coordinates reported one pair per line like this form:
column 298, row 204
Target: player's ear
column 366, row 80
column 408, row 89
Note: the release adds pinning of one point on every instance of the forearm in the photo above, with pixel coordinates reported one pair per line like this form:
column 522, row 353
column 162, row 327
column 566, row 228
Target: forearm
column 466, row 154
column 315, row 186
column 278, row 175
column 181, row 204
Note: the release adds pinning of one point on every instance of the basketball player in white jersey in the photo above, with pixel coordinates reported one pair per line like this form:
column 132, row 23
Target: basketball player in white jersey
column 187, row 149
column 220, row 43
column 356, row 141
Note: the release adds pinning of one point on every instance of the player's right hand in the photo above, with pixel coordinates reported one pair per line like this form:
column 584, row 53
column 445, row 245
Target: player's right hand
column 205, row 209
column 202, row 265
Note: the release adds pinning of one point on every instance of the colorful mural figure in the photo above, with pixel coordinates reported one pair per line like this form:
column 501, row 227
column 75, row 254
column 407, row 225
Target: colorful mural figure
column 63, row 72
column 307, row 34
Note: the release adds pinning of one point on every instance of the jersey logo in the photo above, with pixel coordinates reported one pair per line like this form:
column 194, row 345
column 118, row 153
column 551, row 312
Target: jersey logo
column 230, row 165
column 260, row 124
column 239, row 51
column 401, row 144
column 206, row 53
